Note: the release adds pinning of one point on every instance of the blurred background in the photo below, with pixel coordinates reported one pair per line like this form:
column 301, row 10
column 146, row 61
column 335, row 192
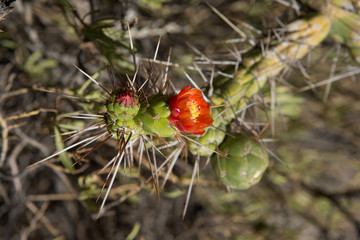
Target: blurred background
column 313, row 194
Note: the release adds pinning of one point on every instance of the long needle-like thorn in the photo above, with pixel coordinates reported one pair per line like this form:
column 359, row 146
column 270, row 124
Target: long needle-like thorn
column 97, row 83
column 195, row 170
column 122, row 150
column 64, row 150
column 92, row 149
column 131, row 45
column 111, row 76
column 226, row 20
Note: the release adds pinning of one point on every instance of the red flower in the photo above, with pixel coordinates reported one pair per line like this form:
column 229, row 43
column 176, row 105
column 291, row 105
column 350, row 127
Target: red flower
column 190, row 112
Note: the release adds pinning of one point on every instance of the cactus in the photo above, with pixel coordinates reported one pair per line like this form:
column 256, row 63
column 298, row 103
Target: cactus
column 345, row 30
column 153, row 116
column 188, row 117
column 302, row 36
column 122, row 108
column 244, row 162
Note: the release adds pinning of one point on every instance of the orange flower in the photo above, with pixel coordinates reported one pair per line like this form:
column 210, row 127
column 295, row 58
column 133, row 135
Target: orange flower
column 190, row 112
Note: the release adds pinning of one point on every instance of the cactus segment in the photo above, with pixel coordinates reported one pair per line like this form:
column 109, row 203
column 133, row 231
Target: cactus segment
column 121, row 111
column 123, row 106
column 212, row 138
column 244, row 164
column 153, row 116
column 345, row 30
column 303, row 35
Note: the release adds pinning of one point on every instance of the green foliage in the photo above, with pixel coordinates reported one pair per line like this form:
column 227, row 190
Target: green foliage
column 90, row 189
column 113, row 45
column 38, row 68
column 153, row 5
column 67, row 4
column 134, row 232
column 6, row 42
column 95, row 97
column 64, row 156
column 175, row 193
column 73, row 125
column 109, row 42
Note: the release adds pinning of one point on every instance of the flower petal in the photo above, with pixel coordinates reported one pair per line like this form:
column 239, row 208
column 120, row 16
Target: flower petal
column 190, row 112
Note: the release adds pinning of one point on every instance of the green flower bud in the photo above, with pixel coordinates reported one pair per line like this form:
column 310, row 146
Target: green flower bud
column 244, row 164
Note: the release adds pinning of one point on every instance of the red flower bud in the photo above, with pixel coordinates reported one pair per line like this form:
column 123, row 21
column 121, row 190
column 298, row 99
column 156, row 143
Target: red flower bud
column 190, row 112
column 126, row 98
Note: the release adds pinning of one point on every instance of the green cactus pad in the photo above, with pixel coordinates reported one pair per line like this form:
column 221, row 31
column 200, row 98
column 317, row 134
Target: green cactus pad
column 244, row 164
column 153, row 116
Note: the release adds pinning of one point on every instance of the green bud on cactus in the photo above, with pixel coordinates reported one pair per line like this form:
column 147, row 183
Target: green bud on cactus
column 121, row 110
column 244, row 164
column 153, row 116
